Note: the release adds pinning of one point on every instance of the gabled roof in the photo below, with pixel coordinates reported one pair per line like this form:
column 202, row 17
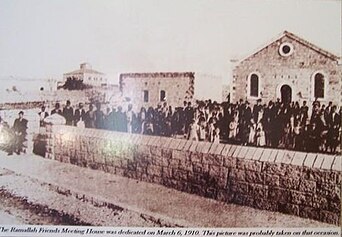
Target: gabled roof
column 299, row 40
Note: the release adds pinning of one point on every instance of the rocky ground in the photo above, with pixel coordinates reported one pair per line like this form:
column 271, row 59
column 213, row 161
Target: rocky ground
column 28, row 201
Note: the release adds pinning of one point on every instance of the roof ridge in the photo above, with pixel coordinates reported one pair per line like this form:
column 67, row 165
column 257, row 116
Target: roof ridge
column 311, row 45
column 85, row 70
column 296, row 38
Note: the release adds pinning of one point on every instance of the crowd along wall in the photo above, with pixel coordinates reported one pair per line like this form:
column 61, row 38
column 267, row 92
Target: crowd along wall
column 296, row 183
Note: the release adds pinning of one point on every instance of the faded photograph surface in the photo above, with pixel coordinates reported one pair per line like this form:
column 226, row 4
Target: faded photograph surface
column 170, row 113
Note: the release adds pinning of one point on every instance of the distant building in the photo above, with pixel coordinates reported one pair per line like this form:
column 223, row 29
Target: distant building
column 88, row 75
column 150, row 89
column 291, row 69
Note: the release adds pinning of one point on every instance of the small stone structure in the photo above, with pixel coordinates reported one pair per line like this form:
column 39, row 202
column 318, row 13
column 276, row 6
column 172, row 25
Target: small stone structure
column 291, row 69
column 150, row 89
column 296, row 183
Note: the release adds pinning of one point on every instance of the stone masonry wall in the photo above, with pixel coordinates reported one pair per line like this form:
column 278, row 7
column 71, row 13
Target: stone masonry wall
column 295, row 70
column 178, row 87
column 296, row 183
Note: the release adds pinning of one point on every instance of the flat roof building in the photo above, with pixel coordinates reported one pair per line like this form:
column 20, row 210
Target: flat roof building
column 150, row 89
column 88, row 75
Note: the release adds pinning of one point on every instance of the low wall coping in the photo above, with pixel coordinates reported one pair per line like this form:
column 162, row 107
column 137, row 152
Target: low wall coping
column 278, row 156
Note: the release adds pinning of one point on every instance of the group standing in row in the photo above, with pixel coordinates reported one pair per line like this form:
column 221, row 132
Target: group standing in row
column 274, row 124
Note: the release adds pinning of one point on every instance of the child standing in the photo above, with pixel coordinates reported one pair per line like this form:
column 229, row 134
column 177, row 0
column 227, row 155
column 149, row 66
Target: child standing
column 260, row 136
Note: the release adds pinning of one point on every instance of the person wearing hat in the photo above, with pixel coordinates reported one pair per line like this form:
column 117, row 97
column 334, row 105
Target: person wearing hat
column 79, row 115
column 42, row 115
column 19, row 128
column 256, row 109
column 57, row 109
column 68, row 113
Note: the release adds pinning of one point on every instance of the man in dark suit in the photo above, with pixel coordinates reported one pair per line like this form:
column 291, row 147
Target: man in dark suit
column 247, row 114
column 79, row 114
column 327, row 111
column 57, row 109
column 99, row 117
column 334, row 123
column 269, row 123
column 19, row 128
column 304, row 113
column 256, row 109
column 89, row 117
column 68, row 113
column 121, row 120
column 189, row 116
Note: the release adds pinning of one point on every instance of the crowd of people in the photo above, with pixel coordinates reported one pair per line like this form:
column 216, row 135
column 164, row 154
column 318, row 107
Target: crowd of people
column 275, row 124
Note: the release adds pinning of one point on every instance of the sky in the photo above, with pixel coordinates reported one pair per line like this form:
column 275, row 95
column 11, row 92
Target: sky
column 46, row 38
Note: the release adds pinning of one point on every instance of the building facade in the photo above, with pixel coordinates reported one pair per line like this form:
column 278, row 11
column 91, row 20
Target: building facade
column 291, row 69
column 151, row 89
column 88, row 75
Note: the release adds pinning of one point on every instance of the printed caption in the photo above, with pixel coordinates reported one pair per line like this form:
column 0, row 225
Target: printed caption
column 107, row 231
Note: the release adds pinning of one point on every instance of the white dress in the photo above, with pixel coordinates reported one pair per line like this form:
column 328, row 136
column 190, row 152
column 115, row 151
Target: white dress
column 251, row 137
column 216, row 138
column 260, row 140
column 233, row 126
column 129, row 115
column 193, row 132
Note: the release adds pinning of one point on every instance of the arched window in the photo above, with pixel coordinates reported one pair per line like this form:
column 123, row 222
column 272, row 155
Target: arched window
column 162, row 95
column 145, row 94
column 254, row 85
column 319, row 85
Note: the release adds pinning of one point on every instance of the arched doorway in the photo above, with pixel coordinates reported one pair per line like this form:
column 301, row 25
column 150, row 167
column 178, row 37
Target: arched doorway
column 286, row 94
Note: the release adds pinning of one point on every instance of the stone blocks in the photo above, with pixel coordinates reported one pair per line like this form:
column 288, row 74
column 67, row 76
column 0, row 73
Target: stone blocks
column 296, row 183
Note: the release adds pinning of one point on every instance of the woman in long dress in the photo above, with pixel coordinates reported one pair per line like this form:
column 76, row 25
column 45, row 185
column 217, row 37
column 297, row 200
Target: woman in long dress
column 193, row 131
column 216, row 138
column 260, row 135
column 202, row 130
column 252, row 133
column 233, row 127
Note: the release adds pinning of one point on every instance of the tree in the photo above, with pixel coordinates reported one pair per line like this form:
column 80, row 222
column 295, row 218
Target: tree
column 73, row 83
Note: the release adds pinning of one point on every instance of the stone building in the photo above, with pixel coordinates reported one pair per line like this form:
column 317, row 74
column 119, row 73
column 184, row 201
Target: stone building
column 150, row 89
column 88, row 75
column 291, row 69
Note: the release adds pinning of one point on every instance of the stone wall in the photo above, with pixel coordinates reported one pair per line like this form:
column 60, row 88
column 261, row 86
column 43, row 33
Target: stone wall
column 296, row 183
column 21, row 105
column 178, row 86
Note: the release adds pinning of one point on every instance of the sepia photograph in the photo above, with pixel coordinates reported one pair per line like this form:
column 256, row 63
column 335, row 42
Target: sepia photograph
column 170, row 114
